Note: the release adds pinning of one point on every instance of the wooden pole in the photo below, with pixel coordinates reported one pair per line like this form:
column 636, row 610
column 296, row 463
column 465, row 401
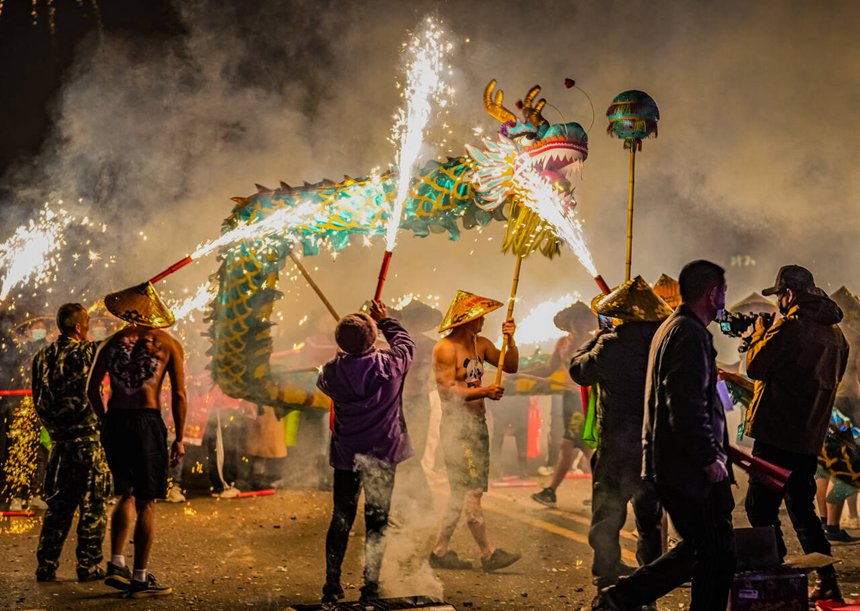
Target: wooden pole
column 630, row 210
column 314, row 286
column 510, row 315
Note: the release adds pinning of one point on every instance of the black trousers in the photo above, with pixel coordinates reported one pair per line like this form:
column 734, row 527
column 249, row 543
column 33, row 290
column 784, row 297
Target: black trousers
column 377, row 479
column 762, row 503
column 706, row 553
column 616, row 480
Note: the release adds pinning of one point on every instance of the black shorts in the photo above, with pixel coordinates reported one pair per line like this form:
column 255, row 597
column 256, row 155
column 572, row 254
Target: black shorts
column 135, row 442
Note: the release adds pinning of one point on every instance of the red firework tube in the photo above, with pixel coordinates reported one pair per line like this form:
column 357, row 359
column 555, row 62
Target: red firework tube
column 771, row 475
column 17, row 514
column 250, row 493
column 383, row 272
column 604, row 288
column 13, row 393
column 176, row 266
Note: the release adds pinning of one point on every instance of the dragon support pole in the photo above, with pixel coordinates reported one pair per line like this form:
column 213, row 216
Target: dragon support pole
column 314, row 286
column 507, row 339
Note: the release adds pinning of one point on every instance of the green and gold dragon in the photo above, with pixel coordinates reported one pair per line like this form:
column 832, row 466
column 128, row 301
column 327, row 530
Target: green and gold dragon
column 462, row 192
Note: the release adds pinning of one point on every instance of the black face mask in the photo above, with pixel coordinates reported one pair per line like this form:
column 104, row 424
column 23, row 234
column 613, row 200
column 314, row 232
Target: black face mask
column 784, row 309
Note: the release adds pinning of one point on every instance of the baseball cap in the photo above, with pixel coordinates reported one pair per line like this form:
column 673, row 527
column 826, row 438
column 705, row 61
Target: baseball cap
column 792, row 277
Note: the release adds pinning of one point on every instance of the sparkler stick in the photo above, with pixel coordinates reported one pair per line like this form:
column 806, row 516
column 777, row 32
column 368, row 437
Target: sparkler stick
column 316, row 288
column 506, row 341
column 176, row 266
column 383, row 272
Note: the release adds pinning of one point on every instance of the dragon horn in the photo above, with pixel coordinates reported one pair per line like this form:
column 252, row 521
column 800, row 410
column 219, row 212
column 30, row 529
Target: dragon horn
column 494, row 106
column 533, row 113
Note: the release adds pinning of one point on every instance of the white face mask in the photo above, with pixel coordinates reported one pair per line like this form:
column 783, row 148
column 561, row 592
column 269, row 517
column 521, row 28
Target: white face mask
column 37, row 334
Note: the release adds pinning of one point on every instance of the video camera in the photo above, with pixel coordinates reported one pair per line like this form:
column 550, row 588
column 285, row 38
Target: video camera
column 735, row 325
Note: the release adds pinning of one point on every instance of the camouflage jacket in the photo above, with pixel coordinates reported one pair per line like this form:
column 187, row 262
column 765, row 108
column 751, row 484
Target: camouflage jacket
column 60, row 373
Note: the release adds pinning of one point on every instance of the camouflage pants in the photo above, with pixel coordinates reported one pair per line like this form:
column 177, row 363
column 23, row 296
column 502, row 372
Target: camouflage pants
column 77, row 478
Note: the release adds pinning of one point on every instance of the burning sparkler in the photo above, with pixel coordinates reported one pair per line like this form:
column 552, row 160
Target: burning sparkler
column 198, row 301
column 541, row 196
column 278, row 223
column 424, row 86
column 33, row 251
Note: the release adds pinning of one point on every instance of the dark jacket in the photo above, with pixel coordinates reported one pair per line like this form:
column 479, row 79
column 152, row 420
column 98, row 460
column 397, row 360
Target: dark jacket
column 797, row 365
column 617, row 361
column 368, row 411
column 685, row 427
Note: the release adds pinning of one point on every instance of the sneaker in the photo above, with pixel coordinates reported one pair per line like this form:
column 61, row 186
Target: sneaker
column 545, row 471
column 369, row 591
column 835, row 534
column 499, row 560
column 16, row 504
column 174, row 495
column 148, row 588
column 332, row 592
column 450, row 560
column 545, row 497
column 93, row 573
column 37, row 503
column 230, row 492
column 46, row 573
column 118, row 577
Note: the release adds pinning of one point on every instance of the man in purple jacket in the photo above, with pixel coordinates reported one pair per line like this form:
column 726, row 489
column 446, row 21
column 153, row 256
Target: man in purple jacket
column 369, row 436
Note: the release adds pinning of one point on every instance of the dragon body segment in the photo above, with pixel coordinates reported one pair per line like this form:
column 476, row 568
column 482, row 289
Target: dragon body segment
column 445, row 196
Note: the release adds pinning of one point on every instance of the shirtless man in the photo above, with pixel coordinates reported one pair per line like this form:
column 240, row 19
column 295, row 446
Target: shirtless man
column 458, row 365
column 134, row 436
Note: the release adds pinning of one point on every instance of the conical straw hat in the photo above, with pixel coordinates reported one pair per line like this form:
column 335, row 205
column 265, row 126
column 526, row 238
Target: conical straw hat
column 417, row 316
column 632, row 301
column 576, row 316
column 754, row 302
column 140, row 305
column 465, row 307
column 669, row 290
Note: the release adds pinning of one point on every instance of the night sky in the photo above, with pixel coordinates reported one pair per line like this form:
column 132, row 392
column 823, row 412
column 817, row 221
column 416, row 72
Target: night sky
column 155, row 114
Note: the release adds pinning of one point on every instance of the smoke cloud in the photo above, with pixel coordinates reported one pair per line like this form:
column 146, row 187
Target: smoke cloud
column 752, row 167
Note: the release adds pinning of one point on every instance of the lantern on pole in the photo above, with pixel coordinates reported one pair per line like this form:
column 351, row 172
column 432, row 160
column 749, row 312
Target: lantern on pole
column 633, row 116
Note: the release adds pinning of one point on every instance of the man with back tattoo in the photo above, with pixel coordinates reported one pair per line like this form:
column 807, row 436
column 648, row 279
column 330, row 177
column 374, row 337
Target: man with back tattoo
column 136, row 360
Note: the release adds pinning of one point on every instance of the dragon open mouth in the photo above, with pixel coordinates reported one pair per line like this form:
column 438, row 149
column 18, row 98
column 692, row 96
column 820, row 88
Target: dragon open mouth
column 558, row 162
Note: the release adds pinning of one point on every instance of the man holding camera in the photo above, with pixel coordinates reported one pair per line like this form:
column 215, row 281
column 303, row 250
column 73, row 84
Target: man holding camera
column 797, row 364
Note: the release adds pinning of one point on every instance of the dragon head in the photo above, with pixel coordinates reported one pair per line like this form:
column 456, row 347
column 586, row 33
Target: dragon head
column 556, row 150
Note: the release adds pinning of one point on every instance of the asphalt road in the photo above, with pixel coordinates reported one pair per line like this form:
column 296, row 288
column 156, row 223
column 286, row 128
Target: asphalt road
column 267, row 553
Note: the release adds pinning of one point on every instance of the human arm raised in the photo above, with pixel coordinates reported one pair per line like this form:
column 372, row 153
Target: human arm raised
column 769, row 347
column 492, row 354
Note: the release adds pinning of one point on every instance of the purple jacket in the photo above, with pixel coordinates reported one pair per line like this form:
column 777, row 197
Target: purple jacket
column 367, row 393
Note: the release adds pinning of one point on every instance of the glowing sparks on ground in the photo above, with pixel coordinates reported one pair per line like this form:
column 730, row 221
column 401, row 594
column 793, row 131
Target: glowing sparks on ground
column 542, row 197
column 33, row 251
column 424, row 86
